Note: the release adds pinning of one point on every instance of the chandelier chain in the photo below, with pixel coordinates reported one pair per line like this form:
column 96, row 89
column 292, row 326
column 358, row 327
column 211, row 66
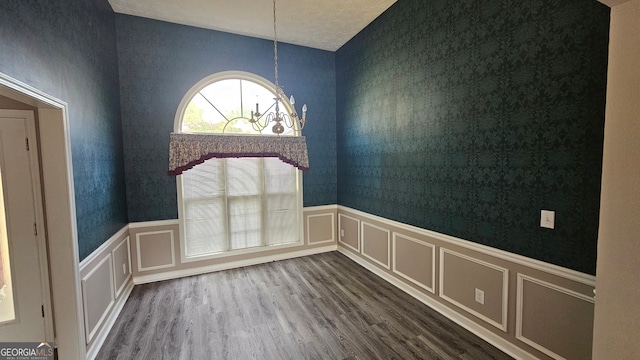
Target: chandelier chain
column 275, row 49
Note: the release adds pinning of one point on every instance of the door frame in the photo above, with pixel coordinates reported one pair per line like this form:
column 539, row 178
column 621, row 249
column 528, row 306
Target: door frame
column 38, row 208
column 60, row 211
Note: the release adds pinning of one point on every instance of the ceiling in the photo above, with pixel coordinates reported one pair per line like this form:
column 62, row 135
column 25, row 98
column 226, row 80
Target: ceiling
column 320, row 24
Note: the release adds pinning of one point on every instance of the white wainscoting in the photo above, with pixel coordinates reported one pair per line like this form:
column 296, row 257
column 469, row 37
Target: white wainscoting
column 106, row 283
column 155, row 250
column 376, row 244
column 498, row 273
column 494, row 268
column 424, row 252
column 316, row 231
column 561, row 313
column 349, row 228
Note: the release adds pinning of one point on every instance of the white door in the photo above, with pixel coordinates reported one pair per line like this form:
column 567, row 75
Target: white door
column 23, row 292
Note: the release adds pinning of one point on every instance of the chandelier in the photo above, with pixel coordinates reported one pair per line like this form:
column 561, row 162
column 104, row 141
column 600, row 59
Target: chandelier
column 281, row 119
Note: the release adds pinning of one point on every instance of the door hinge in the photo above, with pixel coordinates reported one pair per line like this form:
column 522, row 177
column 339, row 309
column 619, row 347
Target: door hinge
column 42, row 308
column 26, row 140
column 35, row 229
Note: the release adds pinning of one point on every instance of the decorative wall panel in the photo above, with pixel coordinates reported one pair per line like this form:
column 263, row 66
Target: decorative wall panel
column 349, row 232
column 97, row 296
column 553, row 319
column 462, row 276
column 376, row 244
column 415, row 261
column 121, row 266
column 155, row 250
column 321, row 228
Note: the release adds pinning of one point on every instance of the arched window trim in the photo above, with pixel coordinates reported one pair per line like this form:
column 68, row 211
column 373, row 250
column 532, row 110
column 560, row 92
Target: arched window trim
column 228, row 75
column 225, row 75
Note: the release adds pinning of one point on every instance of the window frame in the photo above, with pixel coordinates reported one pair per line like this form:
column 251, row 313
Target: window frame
column 177, row 127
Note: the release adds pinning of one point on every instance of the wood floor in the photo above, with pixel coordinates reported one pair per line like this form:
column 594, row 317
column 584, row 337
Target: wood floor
column 316, row 307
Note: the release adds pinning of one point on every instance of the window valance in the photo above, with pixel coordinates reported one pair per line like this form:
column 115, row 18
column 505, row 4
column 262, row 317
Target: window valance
column 188, row 150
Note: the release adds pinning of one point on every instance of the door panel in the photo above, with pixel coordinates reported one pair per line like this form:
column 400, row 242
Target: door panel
column 21, row 270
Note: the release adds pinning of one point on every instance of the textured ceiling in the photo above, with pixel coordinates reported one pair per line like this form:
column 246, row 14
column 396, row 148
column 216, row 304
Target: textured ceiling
column 321, row 24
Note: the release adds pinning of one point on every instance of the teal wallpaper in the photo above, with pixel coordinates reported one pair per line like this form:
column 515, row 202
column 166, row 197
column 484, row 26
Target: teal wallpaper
column 469, row 117
column 68, row 50
column 159, row 62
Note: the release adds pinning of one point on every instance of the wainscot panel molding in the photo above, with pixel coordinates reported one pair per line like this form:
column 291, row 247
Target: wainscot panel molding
column 97, row 298
column 349, row 229
column 106, row 282
column 376, row 244
column 415, row 261
column 321, row 228
column 569, row 274
column 507, row 346
column 569, row 312
column 469, row 272
column 157, row 251
column 512, row 287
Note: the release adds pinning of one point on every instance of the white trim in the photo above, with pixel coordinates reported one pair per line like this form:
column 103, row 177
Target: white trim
column 431, row 288
column 101, row 336
column 487, row 335
column 519, row 308
column 155, row 223
column 164, row 266
column 388, row 264
column 333, row 229
column 340, row 216
column 320, row 208
column 126, row 279
column 229, row 265
column 229, row 75
column 60, row 211
column 505, row 288
column 88, row 331
column 552, row 269
column 98, row 252
column 236, row 252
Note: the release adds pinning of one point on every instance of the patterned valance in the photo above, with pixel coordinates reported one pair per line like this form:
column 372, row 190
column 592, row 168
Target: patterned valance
column 189, row 150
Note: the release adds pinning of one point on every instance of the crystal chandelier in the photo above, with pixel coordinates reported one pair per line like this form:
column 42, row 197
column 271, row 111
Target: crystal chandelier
column 281, row 119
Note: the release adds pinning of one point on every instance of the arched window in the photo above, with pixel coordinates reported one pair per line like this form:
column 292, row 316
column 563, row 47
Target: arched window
column 234, row 204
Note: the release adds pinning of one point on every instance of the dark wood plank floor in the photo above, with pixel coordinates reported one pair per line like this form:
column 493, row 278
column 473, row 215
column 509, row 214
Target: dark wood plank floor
column 316, row 307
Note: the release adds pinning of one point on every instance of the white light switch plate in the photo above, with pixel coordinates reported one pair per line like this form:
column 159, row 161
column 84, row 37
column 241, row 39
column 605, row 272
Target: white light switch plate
column 547, row 219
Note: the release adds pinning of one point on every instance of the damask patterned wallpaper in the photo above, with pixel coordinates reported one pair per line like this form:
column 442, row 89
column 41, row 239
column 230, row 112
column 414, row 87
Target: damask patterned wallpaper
column 469, row 117
column 68, row 50
column 159, row 62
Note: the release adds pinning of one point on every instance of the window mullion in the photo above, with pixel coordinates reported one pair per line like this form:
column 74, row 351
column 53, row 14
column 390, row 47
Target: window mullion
column 263, row 203
column 226, row 205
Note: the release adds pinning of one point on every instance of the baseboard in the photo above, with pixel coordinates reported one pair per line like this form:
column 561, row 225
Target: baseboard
column 101, row 336
column 500, row 343
column 168, row 275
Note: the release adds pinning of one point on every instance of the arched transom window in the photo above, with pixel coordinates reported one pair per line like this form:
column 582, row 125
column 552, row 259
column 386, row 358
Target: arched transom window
column 229, row 204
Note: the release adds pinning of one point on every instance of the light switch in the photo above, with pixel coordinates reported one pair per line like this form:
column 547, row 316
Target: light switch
column 547, row 219
column 341, row 232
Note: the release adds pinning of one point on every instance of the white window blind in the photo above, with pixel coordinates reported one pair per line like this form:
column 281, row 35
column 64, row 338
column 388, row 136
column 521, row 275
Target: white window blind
column 231, row 204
